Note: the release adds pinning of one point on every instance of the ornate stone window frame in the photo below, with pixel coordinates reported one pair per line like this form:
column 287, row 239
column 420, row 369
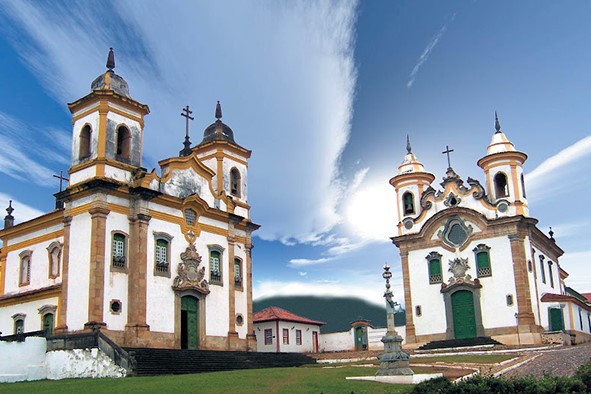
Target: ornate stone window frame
column 444, row 234
column 482, row 271
column 161, row 269
column 24, row 267
column 54, row 263
column 122, row 264
column 18, row 317
column 47, row 310
column 434, row 278
column 216, row 278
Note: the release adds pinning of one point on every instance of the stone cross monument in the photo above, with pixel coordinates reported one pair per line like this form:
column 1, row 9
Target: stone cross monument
column 393, row 361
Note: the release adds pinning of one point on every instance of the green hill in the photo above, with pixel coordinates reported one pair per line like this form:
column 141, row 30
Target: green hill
column 337, row 312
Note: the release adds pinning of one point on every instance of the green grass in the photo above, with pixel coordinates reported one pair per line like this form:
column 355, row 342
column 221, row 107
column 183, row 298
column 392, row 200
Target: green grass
column 274, row 380
column 476, row 359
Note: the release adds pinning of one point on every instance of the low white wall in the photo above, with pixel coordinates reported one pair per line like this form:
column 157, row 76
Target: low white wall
column 345, row 340
column 20, row 361
column 28, row 360
column 81, row 363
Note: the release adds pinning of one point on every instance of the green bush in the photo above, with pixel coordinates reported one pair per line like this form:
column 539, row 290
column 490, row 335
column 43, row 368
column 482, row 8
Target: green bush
column 579, row 383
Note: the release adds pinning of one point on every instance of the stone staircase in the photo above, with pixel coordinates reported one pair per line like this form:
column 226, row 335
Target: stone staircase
column 455, row 343
column 147, row 361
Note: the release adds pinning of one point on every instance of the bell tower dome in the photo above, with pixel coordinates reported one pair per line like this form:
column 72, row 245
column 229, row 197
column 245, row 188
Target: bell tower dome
column 107, row 130
column 503, row 169
column 410, row 183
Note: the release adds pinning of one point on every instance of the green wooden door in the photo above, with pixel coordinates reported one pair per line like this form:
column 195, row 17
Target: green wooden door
column 556, row 319
column 359, row 338
column 189, row 323
column 463, row 312
column 48, row 324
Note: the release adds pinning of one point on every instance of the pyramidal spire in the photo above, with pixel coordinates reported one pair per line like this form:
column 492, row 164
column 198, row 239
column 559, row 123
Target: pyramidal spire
column 408, row 147
column 497, row 123
column 111, row 59
column 218, row 111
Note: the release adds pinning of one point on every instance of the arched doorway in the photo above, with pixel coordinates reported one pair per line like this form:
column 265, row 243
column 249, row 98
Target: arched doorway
column 464, row 319
column 48, row 324
column 189, row 322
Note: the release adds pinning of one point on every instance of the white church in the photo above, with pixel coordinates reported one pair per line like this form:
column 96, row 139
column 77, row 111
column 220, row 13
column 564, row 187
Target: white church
column 474, row 263
column 150, row 258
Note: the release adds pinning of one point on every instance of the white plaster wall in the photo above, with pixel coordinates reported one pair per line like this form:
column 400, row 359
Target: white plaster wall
column 81, row 363
column 115, row 282
column 546, row 287
column 34, row 234
column 228, row 164
column 79, row 271
column 93, row 120
column 217, row 301
column 21, row 361
column 39, row 275
column 83, row 174
column 165, row 209
column 240, row 303
column 337, row 341
column 33, row 320
column 259, row 331
column 185, row 182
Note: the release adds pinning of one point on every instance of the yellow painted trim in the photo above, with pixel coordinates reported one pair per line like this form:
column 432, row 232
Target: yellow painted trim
column 33, row 241
column 102, row 95
column 217, row 144
column 572, row 317
column 2, row 271
column 220, row 172
column 102, row 129
column 31, row 297
column 53, row 218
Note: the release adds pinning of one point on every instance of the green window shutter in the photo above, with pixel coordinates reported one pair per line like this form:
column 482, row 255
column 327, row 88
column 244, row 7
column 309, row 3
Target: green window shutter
column 435, row 267
column 482, row 260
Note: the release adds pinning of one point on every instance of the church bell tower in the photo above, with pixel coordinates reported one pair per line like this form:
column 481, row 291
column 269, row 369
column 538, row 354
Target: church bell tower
column 107, row 130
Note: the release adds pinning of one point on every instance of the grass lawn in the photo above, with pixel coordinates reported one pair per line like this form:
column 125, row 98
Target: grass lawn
column 274, row 380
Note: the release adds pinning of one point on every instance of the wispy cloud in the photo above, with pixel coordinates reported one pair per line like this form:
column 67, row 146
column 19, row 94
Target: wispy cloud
column 427, row 52
column 22, row 155
column 543, row 177
column 304, row 262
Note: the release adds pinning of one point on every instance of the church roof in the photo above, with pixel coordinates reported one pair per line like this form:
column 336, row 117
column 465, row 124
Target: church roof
column 410, row 162
column 218, row 130
column 109, row 80
column 275, row 313
column 499, row 143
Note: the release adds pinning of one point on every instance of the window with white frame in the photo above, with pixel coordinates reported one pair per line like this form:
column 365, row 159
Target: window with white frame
column 268, row 336
column 298, row 337
column 119, row 250
column 215, row 267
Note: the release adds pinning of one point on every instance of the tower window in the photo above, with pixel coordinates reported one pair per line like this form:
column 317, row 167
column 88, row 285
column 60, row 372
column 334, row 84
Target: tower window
column 409, row 203
column 482, row 261
column 501, row 188
column 235, row 182
column 435, row 274
column 85, row 139
column 123, row 147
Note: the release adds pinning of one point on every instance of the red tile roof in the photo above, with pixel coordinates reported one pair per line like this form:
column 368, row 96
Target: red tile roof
column 587, row 296
column 550, row 297
column 275, row 313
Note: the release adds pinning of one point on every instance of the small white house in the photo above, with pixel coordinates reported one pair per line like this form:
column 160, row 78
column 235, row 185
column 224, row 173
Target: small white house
column 279, row 331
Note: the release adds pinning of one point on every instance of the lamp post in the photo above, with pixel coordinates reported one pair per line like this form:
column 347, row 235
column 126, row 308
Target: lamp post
column 393, row 361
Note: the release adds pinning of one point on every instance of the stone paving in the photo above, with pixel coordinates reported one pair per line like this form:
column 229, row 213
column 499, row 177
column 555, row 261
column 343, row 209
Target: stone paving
column 563, row 360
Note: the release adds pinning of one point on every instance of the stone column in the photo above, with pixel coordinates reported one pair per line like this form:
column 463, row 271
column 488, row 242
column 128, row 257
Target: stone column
column 96, row 288
column 525, row 316
column 410, row 327
column 232, row 334
column 62, row 306
column 251, row 338
column 136, row 329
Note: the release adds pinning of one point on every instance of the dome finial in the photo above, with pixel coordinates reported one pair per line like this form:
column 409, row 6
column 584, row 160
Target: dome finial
column 408, row 147
column 497, row 123
column 111, row 59
column 9, row 219
column 218, row 111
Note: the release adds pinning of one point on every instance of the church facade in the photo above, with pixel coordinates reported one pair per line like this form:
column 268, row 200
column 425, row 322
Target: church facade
column 154, row 260
column 474, row 263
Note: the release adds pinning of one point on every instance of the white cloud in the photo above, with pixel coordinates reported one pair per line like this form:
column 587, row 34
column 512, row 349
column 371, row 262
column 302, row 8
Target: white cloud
column 303, row 262
column 427, row 52
column 22, row 212
column 370, row 292
column 21, row 154
column 283, row 71
column 541, row 182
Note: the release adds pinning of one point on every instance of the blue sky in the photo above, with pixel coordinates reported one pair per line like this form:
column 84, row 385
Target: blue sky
column 324, row 94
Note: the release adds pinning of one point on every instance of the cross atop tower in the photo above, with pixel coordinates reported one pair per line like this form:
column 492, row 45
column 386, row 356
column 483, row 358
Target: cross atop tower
column 187, row 149
column 447, row 151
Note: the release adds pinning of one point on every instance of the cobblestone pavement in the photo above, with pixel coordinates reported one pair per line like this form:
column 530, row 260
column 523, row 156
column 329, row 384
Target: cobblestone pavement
column 560, row 361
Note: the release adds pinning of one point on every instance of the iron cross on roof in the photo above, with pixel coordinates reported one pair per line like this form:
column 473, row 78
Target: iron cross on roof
column 61, row 178
column 187, row 114
column 447, row 151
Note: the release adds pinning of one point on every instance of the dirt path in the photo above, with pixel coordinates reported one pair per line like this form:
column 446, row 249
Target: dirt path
column 561, row 361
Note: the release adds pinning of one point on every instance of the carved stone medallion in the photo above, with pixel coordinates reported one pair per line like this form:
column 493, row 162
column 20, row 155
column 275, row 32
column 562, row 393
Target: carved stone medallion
column 190, row 276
